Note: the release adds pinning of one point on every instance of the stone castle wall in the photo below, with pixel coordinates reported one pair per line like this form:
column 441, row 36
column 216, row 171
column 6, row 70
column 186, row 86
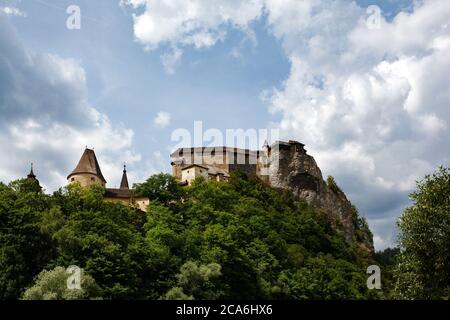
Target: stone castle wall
column 86, row 180
column 226, row 159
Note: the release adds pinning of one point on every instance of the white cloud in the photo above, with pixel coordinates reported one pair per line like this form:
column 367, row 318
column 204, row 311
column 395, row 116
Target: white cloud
column 46, row 118
column 198, row 23
column 170, row 60
column 162, row 119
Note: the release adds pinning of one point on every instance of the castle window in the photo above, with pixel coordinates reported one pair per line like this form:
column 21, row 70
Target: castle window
column 92, row 179
column 73, row 179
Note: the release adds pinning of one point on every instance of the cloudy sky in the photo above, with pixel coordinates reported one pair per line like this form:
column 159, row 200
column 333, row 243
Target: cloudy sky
column 368, row 95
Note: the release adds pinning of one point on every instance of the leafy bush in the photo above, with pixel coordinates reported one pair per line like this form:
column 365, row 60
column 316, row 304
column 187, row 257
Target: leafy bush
column 331, row 183
column 52, row 285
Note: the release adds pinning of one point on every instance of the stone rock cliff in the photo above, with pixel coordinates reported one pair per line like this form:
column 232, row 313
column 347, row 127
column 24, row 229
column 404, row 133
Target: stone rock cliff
column 293, row 169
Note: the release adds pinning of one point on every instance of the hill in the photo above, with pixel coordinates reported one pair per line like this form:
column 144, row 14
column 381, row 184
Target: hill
column 233, row 240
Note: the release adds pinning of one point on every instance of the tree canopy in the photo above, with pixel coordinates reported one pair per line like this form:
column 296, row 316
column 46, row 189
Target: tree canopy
column 423, row 271
column 232, row 240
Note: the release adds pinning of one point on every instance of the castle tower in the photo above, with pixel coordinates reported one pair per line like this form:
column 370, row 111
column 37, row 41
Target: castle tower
column 32, row 177
column 87, row 172
column 124, row 182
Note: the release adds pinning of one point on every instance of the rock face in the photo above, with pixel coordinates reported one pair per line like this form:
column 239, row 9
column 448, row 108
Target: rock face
column 290, row 167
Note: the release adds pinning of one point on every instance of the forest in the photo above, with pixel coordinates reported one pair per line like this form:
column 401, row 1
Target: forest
column 212, row 240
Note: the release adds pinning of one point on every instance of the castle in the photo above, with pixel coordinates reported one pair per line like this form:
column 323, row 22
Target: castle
column 282, row 165
column 216, row 163
column 88, row 172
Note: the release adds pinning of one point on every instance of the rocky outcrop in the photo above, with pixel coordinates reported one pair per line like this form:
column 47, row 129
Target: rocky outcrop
column 293, row 169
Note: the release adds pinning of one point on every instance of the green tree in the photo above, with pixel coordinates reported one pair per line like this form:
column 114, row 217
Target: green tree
column 196, row 282
column 323, row 277
column 387, row 261
column 24, row 248
column 233, row 240
column 423, row 271
column 257, row 234
column 161, row 187
column 106, row 239
column 52, row 285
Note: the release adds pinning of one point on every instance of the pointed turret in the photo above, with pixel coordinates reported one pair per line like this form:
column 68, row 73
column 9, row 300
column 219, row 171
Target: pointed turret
column 31, row 175
column 124, row 182
column 87, row 171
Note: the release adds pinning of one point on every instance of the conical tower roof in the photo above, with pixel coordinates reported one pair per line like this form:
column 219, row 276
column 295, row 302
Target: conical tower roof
column 31, row 175
column 124, row 182
column 88, row 164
